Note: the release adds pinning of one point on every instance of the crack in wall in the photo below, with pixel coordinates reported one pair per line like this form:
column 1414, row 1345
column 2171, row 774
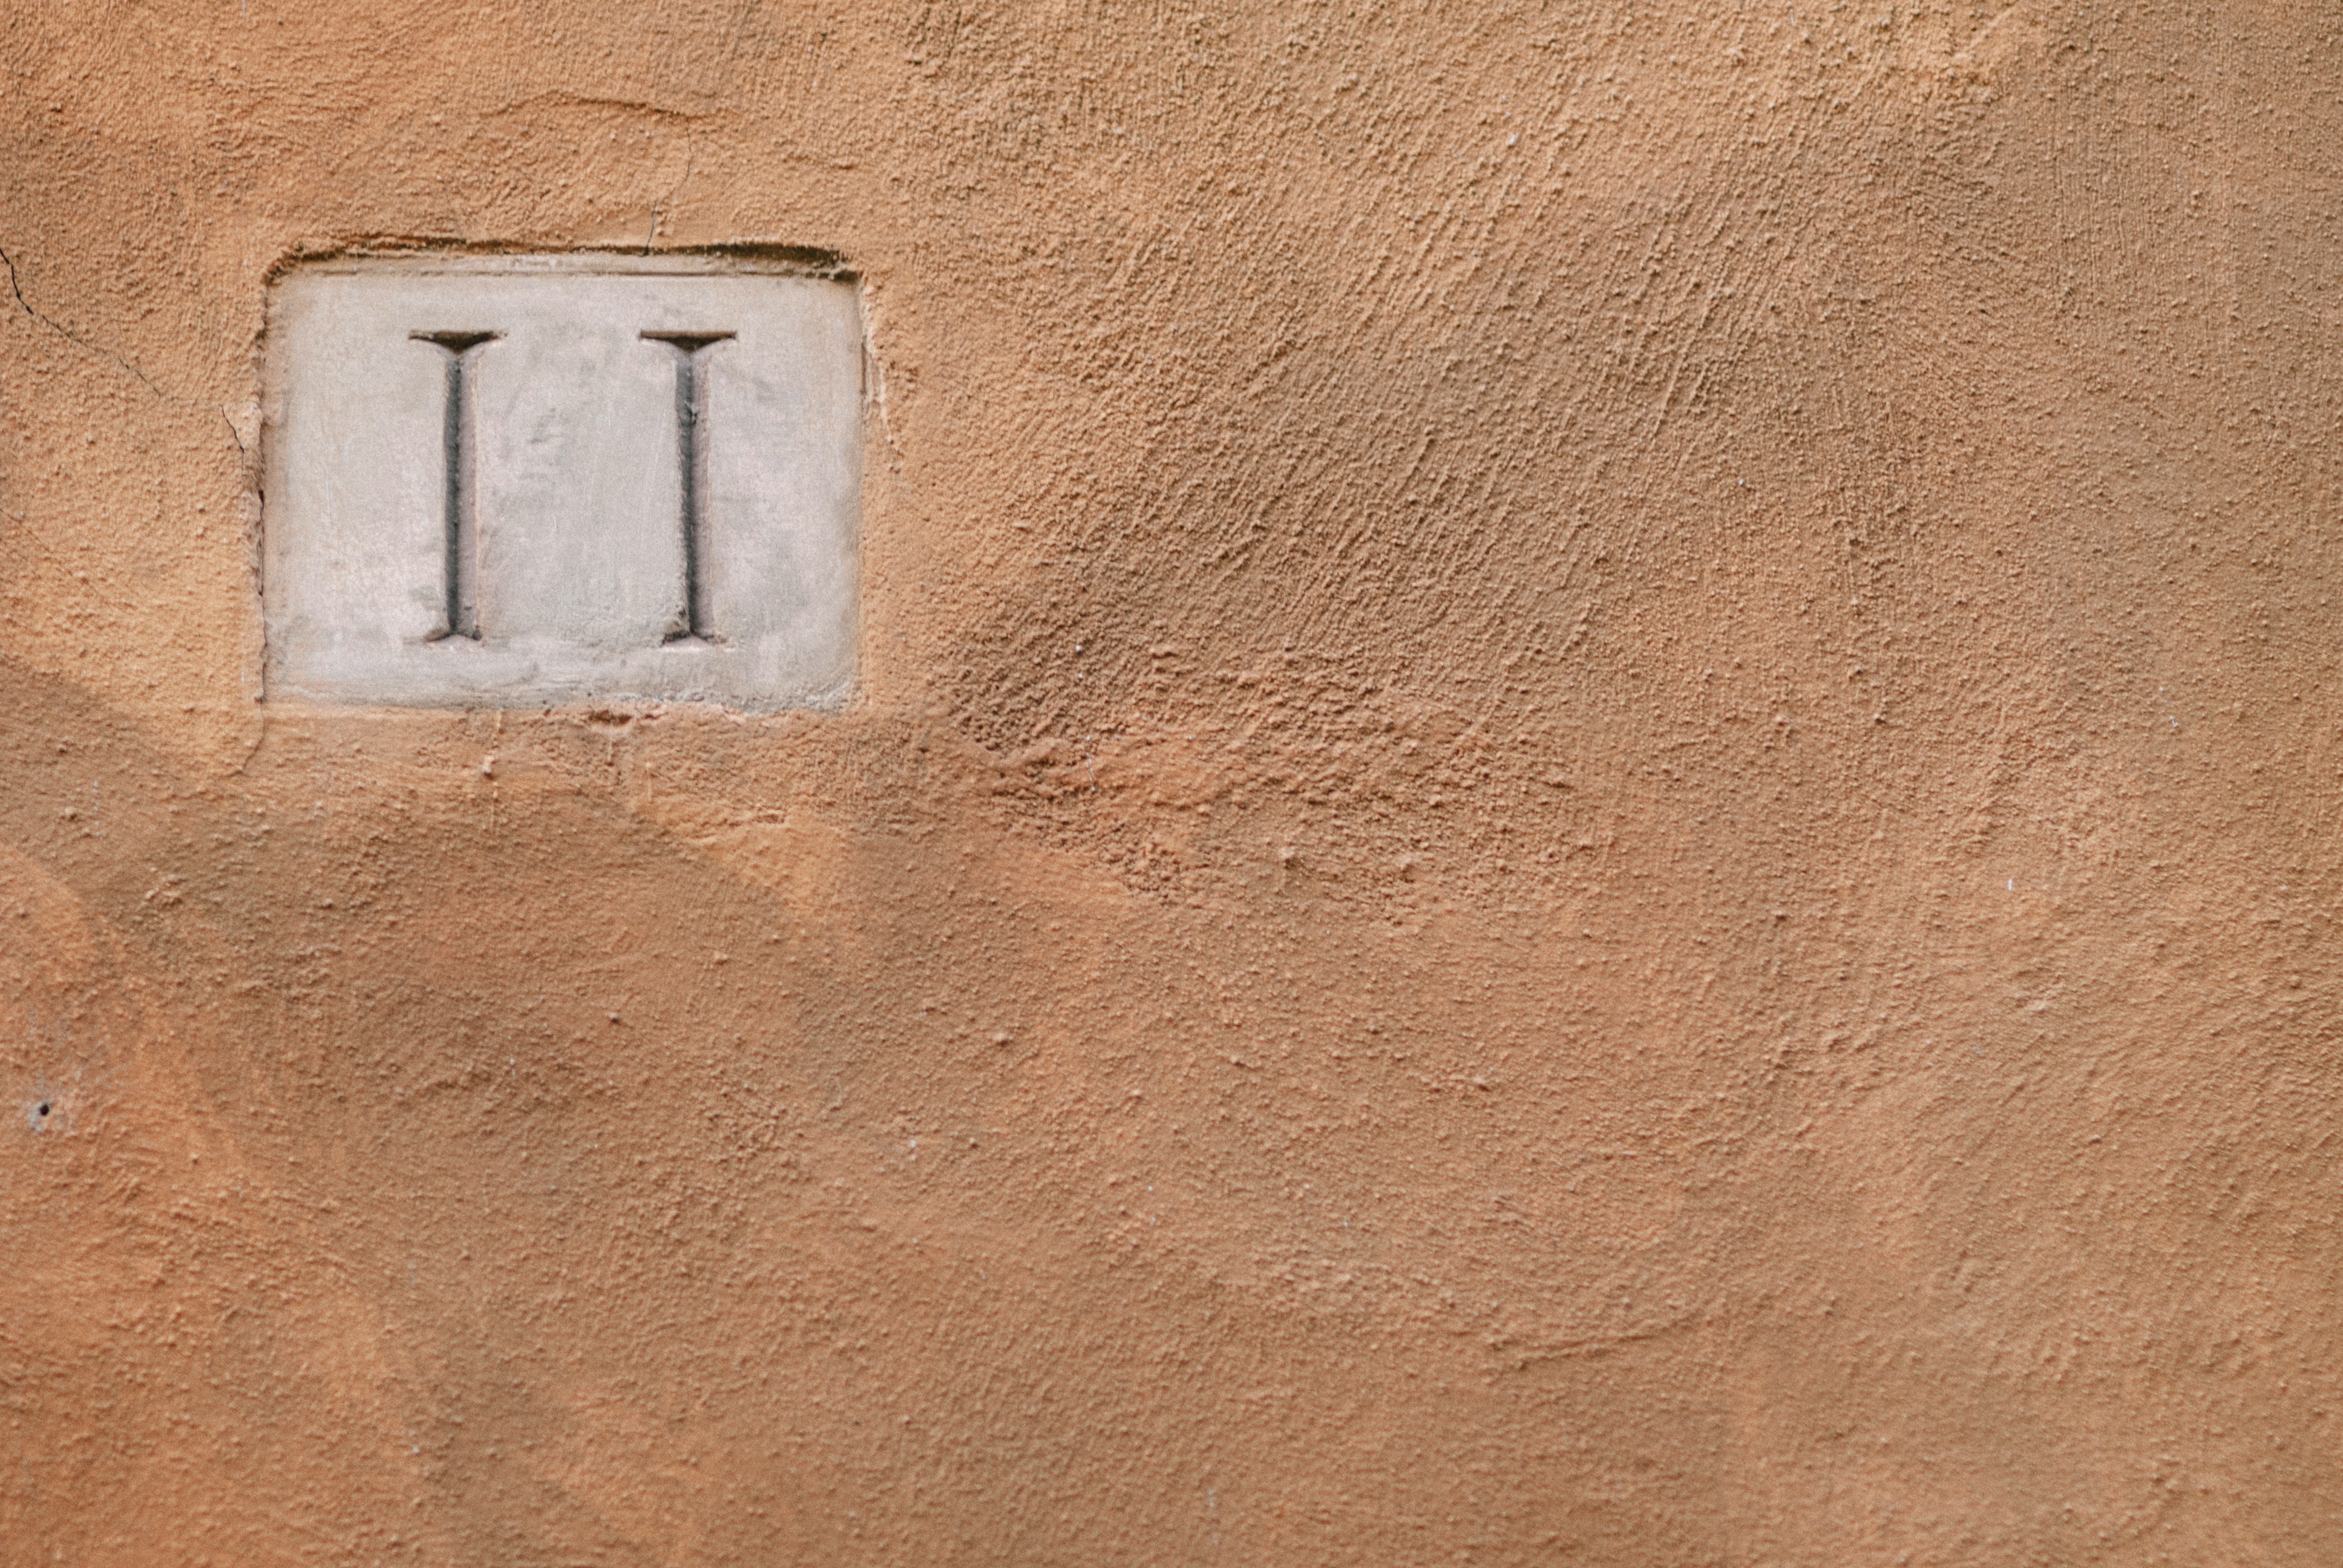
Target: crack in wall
column 16, row 287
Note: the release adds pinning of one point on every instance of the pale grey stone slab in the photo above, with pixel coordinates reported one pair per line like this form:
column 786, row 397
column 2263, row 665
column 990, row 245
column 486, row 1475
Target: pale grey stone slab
column 574, row 481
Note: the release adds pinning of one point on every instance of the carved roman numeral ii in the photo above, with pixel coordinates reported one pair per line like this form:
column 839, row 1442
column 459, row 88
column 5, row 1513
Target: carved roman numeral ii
column 695, row 619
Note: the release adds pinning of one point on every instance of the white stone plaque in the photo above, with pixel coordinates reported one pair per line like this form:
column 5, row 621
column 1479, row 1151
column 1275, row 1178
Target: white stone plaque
column 505, row 481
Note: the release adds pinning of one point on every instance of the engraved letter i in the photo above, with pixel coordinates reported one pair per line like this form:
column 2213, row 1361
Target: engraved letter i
column 698, row 620
column 462, row 521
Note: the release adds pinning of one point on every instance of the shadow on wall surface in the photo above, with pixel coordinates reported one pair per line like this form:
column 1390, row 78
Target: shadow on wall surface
column 556, row 1262
column 1588, row 820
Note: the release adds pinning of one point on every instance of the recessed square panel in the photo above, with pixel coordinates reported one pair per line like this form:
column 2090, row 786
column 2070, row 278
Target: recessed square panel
column 520, row 480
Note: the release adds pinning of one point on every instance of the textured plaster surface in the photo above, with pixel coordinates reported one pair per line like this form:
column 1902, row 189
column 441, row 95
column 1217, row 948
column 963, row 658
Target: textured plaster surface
column 1590, row 816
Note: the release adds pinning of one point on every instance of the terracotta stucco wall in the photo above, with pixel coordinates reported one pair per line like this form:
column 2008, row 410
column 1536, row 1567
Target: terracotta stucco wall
column 1592, row 818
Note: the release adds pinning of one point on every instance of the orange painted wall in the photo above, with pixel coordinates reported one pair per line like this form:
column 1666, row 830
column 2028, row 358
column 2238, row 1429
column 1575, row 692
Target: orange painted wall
column 1591, row 817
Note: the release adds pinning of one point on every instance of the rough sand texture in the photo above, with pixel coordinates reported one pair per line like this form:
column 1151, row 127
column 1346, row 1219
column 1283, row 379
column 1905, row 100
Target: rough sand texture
column 1591, row 815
